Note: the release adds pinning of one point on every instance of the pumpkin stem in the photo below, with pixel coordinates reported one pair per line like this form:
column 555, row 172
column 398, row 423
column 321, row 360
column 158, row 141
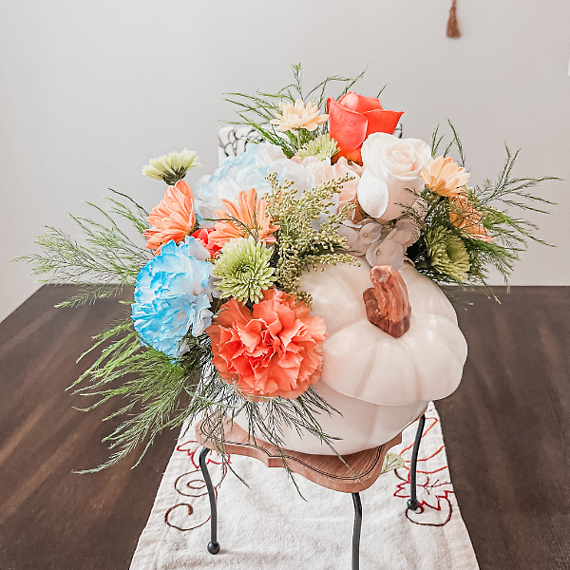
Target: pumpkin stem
column 387, row 303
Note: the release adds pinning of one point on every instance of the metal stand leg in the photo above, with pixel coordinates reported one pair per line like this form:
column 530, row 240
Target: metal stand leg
column 413, row 501
column 356, row 531
column 213, row 545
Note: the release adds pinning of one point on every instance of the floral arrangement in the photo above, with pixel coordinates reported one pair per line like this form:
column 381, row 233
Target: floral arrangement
column 220, row 324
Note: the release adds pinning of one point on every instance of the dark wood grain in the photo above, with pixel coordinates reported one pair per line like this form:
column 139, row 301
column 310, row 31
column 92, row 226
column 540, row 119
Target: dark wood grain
column 507, row 428
column 51, row 518
column 507, row 431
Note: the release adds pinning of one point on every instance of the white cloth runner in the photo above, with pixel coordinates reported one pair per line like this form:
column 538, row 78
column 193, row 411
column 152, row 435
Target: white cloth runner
column 269, row 526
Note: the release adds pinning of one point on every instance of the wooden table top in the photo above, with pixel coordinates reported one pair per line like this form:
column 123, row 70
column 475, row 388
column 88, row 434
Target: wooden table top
column 507, row 431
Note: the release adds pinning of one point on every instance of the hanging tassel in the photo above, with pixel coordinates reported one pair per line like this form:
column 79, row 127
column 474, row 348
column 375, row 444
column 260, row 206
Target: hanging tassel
column 452, row 25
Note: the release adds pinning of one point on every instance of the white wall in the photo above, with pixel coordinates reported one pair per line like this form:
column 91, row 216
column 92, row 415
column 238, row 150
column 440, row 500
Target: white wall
column 89, row 91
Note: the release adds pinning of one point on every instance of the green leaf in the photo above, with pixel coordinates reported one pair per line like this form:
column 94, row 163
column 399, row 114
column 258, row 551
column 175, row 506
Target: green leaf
column 392, row 461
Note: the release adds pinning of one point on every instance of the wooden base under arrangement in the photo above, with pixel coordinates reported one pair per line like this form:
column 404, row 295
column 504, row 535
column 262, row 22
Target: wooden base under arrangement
column 351, row 474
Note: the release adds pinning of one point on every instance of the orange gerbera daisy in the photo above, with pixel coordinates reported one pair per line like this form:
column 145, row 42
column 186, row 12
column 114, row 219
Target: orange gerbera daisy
column 247, row 217
column 464, row 216
column 173, row 218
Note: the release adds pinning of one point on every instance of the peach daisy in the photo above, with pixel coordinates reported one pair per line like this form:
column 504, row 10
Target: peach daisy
column 444, row 177
column 246, row 218
column 173, row 218
column 298, row 116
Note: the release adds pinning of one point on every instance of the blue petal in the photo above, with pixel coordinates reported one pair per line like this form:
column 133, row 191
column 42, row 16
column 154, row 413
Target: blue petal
column 170, row 296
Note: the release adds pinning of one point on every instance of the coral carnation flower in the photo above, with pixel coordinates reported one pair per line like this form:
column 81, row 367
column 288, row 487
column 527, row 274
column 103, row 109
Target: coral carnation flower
column 353, row 118
column 246, row 218
column 273, row 350
column 173, row 218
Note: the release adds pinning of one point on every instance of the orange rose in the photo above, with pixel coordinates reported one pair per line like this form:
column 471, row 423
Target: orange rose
column 353, row 117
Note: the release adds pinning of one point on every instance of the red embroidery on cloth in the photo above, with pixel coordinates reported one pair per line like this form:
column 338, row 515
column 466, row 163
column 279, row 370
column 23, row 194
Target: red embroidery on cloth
column 192, row 447
column 191, row 484
column 433, row 484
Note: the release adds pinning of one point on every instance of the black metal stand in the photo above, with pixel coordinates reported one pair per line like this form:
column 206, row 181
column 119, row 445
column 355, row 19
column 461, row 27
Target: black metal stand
column 213, row 545
column 356, row 531
column 413, row 501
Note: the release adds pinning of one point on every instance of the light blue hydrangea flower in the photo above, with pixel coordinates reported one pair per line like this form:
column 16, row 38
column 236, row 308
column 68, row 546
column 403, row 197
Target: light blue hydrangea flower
column 172, row 296
column 242, row 172
column 248, row 170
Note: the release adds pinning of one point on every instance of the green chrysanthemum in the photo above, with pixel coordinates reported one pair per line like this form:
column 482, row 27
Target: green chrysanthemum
column 171, row 167
column 322, row 147
column 243, row 269
column 447, row 253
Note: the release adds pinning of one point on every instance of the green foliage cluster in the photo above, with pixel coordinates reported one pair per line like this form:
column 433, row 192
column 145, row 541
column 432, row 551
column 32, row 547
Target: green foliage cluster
column 299, row 245
column 494, row 200
column 109, row 261
column 158, row 393
column 259, row 109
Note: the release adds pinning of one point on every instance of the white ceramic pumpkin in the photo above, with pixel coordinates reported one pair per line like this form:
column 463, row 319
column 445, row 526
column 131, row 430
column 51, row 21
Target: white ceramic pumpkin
column 379, row 383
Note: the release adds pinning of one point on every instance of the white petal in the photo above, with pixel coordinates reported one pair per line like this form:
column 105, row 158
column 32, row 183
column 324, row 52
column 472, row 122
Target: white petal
column 370, row 232
column 372, row 195
column 348, row 233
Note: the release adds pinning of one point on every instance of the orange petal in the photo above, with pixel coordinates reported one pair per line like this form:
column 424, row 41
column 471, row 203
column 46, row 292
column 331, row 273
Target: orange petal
column 382, row 121
column 348, row 128
column 359, row 103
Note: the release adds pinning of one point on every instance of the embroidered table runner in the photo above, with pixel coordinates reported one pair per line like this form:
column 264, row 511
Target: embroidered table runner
column 268, row 525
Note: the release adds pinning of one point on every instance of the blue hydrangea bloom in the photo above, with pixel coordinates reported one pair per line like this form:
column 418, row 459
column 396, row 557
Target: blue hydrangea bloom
column 242, row 172
column 172, row 296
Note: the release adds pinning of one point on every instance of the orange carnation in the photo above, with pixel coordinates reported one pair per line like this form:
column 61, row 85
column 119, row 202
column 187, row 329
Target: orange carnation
column 173, row 218
column 464, row 216
column 274, row 350
column 247, row 217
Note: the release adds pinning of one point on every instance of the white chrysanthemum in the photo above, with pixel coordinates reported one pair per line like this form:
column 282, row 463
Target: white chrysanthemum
column 171, row 167
column 298, row 116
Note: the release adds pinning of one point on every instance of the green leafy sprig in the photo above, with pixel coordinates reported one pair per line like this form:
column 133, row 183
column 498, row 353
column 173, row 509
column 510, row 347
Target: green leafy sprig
column 158, row 393
column 258, row 110
column 299, row 245
column 494, row 201
column 107, row 262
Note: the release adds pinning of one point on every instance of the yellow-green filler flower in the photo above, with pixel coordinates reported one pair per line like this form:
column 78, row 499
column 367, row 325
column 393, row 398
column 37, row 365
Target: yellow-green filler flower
column 447, row 253
column 243, row 269
column 322, row 147
column 171, row 167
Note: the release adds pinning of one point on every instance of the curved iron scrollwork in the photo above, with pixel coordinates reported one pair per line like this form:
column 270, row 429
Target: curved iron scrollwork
column 233, row 139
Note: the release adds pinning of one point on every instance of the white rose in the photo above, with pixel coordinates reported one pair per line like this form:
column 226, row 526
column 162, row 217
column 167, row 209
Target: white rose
column 392, row 167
